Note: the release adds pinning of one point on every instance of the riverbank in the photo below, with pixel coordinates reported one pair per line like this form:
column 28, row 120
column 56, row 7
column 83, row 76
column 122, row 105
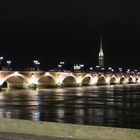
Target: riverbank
column 61, row 130
column 11, row 136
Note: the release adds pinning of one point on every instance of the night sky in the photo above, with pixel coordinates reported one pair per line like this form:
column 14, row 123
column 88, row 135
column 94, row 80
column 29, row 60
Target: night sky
column 70, row 31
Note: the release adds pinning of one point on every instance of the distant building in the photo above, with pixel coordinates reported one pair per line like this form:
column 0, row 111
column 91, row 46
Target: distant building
column 101, row 55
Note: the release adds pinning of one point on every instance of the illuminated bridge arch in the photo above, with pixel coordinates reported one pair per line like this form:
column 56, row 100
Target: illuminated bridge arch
column 101, row 80
column 122, row 80
column 15, row 80
column 131, row 80
column 113, row 80
column 69, row 81
column 137, row 79
column 46, row 80
column 87, row 80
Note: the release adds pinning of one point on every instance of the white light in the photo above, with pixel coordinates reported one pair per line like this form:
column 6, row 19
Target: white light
column 8, row 62
column 91, row 68
column 59, row 66
column 1, row 58
column 36, row 62
column 81, row 65
column 62, row 63
column 16, row 72
column 77, row 67
column 120, row 69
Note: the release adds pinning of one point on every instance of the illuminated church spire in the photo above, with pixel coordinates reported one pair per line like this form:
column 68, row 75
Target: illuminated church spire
column 101, row 55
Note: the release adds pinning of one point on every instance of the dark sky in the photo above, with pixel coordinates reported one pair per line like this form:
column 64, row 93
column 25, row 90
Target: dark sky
column 70, row 30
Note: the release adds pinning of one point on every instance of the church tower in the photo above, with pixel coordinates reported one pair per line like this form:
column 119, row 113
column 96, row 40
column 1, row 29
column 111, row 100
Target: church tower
column 101, row 55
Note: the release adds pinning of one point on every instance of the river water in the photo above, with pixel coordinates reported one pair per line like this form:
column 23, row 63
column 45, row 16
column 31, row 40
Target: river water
column 117, row 106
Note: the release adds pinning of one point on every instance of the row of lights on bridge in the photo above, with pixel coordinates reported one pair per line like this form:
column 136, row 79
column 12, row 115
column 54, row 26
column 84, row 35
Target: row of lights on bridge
column 78, row 67
column 36, row 63
column 8, row 62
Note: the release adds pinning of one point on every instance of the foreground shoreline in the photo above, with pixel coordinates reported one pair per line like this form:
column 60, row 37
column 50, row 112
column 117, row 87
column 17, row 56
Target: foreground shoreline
column 65, row 131
column 14, row 136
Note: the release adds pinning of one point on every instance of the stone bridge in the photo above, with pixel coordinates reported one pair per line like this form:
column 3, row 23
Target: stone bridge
column 41, row 79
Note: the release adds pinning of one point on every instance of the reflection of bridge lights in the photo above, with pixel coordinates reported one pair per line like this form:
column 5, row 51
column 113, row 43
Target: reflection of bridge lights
column 36, row 116
column 61, row 113
column 8, row 114
column 1, row 96
column 79, row 94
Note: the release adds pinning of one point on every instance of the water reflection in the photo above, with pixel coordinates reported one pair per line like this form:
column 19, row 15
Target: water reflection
column 117, row 106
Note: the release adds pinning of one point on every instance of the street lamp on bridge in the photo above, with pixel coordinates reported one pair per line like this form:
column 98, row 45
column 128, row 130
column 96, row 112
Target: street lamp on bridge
column 1, row 58
column 120, row 69
column 97, row 68
column 82, row 67
column 61, row 65
column 8, row 63
column 37, row 63
column 91, row 68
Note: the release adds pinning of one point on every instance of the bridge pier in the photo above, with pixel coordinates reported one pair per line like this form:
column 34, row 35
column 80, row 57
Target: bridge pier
column 33, row 86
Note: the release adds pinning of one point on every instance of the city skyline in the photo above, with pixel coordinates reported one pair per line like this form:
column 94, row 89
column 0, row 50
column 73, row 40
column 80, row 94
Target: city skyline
column 70, row 32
